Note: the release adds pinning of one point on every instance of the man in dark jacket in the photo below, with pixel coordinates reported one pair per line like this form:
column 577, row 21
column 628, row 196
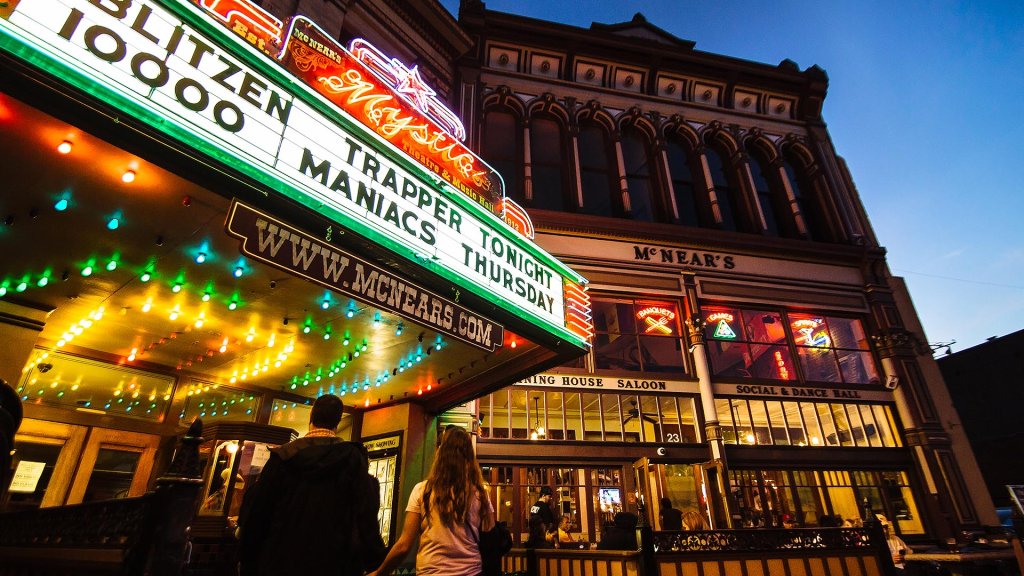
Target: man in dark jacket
column 313, row 510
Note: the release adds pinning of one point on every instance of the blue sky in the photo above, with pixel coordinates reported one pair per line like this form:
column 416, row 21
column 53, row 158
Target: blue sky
column 926, row 105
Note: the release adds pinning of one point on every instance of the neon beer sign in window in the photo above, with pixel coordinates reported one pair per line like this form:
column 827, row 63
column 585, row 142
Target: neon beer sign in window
column 658, row 320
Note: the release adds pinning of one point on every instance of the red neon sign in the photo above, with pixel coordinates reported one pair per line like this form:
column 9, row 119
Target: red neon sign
column 381, row 93
column 657, row 320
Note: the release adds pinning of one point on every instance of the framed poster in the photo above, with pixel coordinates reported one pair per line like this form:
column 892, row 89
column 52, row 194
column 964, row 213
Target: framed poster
column 1017, row 495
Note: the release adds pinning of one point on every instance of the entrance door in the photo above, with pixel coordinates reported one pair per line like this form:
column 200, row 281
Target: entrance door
column 687, row 486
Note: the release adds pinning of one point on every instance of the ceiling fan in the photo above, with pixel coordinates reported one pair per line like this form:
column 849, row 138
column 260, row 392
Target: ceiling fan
column 634, row 412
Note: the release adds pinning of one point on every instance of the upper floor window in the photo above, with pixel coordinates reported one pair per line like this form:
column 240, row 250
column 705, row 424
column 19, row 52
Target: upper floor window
column 761, row 344
column 547, row 171
column 833, row 349
column 596, row 173
column 808, row 203
column 772, row 200
column 500, row 148
column 726, row 192
column 691, row 213
column 637, row 336
column 747, row 343
column 636, row 156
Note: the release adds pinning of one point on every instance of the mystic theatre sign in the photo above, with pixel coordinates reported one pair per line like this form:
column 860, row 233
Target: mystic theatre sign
column 367, row 150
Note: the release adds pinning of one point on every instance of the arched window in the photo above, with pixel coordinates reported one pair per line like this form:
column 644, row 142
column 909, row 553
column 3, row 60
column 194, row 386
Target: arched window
column 636, row 156
column 810, row 205
column 547, row 164
column 724, row 190
column 778, row 216
column 691, row 212
column 596, row 169
column 500, row 148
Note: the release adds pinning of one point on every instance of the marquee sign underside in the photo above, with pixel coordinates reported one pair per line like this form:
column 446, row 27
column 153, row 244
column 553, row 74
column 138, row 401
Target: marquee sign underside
column 171, row 69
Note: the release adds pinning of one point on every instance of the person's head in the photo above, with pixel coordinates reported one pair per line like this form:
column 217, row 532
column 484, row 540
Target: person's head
column 452, row 475
column 545, row 493
column 625, row 520
column 886, row 525
column 326, row 412
column 565, row 522
column 693, row 520
column 788, row 521
column 666, row 502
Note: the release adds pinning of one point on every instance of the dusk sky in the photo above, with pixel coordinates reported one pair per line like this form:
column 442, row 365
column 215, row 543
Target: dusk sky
column 926, row 105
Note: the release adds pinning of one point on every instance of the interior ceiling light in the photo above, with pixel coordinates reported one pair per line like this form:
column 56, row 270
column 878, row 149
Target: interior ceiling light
column 201, row 257
column 61, row 205
column 114, row 223
column 128, row 177
column 64, row 147
column 238, row 271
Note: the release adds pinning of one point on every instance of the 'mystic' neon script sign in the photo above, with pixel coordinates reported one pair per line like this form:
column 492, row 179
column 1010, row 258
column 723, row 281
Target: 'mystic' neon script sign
column 380, row 92
column 169, row 68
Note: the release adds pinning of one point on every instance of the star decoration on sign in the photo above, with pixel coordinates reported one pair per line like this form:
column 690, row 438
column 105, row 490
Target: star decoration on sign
column 411, row 84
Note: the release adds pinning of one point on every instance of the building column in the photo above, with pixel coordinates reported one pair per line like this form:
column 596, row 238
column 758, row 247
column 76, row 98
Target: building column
column 716, row 469
column 956, row 497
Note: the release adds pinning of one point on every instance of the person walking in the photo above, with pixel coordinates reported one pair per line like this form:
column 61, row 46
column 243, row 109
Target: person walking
column 446, row 514
column 313, row 510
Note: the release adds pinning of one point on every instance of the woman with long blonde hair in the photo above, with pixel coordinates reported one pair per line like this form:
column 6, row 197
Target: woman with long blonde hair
column 446, row 513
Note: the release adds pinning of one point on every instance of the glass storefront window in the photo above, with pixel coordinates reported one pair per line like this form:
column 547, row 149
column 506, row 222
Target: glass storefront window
column 613, row 416
column 805, row 423
column 588, row 416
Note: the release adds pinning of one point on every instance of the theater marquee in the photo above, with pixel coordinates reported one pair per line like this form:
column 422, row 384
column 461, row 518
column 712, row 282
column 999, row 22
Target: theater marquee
column 289, row 122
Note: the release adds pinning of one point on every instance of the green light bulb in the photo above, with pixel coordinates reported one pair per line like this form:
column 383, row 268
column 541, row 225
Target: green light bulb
column 61, row 205
column 145, row 276
column 113, row 224
column 21, row 287
column 112, row 265
column 43, row 281
column 87, row 271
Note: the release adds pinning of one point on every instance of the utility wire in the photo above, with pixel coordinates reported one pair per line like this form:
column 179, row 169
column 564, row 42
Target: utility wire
column 959, row 279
